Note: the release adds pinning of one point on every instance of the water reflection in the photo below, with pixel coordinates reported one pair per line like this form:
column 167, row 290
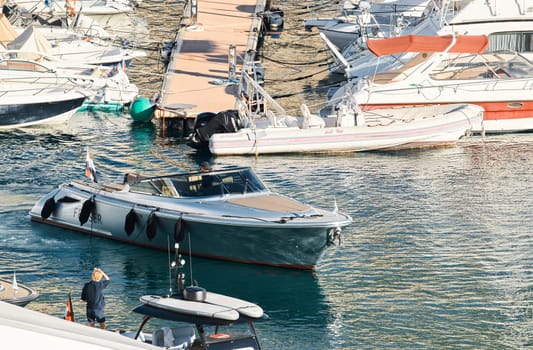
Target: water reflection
column 438, row 256
column 289, row 297
column 143, row 136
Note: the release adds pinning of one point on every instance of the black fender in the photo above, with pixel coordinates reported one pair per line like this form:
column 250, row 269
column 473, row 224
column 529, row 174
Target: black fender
column 179, row 230
column 130, row 221
column 86, row 210
column 151, row 226
column 48, row 208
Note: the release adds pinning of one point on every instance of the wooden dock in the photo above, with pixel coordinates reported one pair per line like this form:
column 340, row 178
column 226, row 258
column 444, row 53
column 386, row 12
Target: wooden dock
column 198, row 77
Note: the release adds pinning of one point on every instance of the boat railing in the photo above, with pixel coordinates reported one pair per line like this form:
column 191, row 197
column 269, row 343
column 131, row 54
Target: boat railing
column 31, row 87
column 493, row 65
column 255, row 102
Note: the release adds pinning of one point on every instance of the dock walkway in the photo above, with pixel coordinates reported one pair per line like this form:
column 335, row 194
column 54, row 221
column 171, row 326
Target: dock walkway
column 197, row 78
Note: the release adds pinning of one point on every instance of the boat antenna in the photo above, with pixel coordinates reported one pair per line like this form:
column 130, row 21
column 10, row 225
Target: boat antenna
column 171, row 264
column 178, row 264
column 190, row 256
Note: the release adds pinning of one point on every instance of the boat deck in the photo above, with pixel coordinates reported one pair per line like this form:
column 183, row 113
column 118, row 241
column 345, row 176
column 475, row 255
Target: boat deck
column 197, row 78
column 7, row 291
column 20, row 296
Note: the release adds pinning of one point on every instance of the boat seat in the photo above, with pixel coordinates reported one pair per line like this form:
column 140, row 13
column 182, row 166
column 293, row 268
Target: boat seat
column 272, row 118
column 310, row 120
column 176, row 338
column 401, row 73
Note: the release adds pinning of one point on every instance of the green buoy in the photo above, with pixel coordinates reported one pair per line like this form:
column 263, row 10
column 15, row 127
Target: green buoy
column 142, row 109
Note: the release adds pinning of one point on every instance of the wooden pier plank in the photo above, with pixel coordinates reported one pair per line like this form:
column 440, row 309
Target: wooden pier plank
column 200, row 62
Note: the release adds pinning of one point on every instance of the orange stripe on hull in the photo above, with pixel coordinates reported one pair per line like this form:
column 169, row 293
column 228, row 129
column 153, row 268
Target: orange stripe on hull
column 493, row 110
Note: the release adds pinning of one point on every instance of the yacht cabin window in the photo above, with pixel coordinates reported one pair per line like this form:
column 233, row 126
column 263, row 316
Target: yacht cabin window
column 521, row 42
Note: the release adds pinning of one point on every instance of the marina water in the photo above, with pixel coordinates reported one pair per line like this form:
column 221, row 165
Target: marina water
column 439, row 254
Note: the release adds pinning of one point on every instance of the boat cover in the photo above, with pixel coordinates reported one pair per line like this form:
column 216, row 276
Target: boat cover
column 428, row 43
column 30, row 40
column 7, row 32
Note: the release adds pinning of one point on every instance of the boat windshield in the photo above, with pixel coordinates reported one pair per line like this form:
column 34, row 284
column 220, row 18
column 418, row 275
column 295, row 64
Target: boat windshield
column 235, row 336
column 493, row 65
column 213, row 183
column 22, row 65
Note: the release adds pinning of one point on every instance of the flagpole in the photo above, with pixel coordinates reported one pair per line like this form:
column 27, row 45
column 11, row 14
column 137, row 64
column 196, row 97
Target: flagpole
column 14, row 284
column 69, row 310
column 90, row 170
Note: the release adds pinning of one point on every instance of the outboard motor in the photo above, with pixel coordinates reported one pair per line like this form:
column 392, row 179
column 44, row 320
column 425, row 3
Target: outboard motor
column 210, row 123
column 274, row 20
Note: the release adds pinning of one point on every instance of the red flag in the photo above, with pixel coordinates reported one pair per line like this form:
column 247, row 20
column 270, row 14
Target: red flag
column 69, row 311
column 90, row 170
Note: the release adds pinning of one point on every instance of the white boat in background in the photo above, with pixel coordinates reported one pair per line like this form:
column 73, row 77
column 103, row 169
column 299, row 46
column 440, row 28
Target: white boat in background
column 347, row 129
column 64, row 45
column 24, row 104
column 26, row 59
column 509, row 26
column 120, row 30
column 107, row 87
column 449, row 70
column 100, row 10
column 357, row 61
column 348, row 11
column 377, row 19
column 355, row 131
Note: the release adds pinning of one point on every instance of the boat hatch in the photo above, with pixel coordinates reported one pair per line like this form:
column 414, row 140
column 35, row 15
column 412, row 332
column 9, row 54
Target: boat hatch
column 201, row 184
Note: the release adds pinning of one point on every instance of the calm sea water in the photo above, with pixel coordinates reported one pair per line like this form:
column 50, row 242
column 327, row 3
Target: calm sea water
column 439, row 254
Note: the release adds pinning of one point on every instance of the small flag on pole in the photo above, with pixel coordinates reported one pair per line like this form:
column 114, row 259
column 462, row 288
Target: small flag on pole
column 90, row 170
column 69, row 311
column 14, row 284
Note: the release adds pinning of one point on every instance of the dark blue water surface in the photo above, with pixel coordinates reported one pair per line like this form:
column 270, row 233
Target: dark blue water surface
column 439, row 254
